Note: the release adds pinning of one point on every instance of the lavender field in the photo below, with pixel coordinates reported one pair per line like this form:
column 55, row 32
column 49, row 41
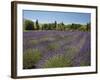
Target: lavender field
column 52, row 48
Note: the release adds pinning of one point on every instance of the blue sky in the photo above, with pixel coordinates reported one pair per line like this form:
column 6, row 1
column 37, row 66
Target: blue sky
column 51, row 16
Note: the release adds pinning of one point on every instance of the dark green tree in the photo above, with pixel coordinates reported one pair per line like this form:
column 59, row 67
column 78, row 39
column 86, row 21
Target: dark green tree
column 28, row 25
column 45, row 27
column 37, row 25
column 55, row 24
column 62, row 26
column 49, row 26
column 75, row 26
column 88, row 25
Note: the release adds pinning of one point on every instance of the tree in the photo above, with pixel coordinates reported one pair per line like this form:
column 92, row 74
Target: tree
column 55, row 24
column 88, row 26
column 75, row 26
column 62, row 26
column 45, row 27
column 49, row 26
column 37, row 25
column 28, row 25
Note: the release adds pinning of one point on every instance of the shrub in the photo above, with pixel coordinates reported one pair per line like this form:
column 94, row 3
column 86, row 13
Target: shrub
column 82, row 28
column 84, row 63
column 34, row 42
column 28, row 25
column 53, row 46
column 57, row 61
column 30, row 58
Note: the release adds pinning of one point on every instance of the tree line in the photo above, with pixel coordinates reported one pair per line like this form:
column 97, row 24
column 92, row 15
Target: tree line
column 30, row 25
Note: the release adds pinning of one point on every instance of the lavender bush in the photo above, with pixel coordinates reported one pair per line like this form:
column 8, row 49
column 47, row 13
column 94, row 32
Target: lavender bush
column 57, row 61
column 30, row 57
